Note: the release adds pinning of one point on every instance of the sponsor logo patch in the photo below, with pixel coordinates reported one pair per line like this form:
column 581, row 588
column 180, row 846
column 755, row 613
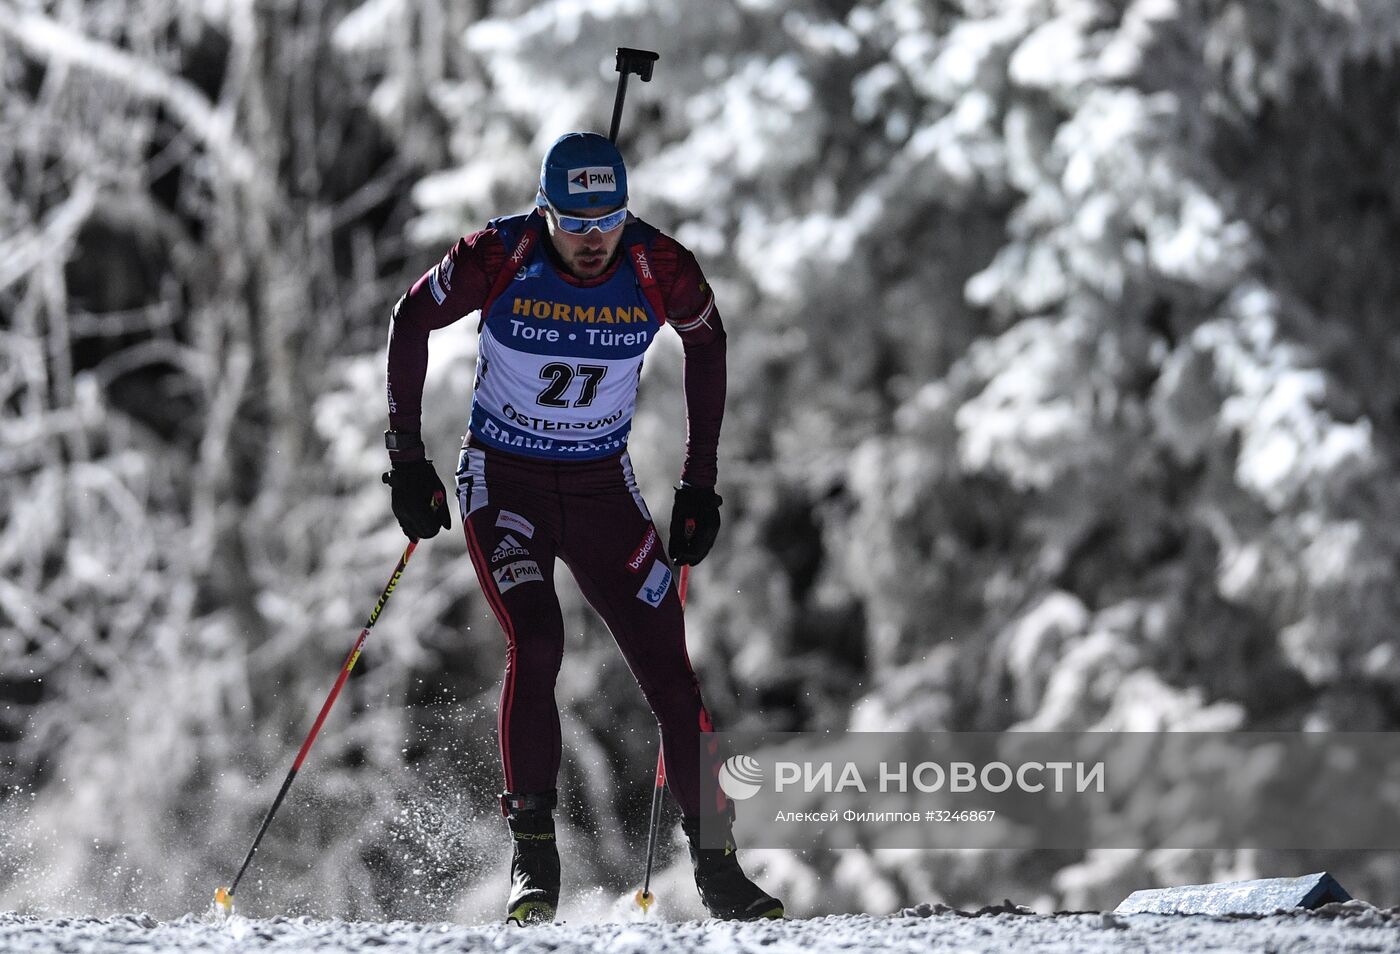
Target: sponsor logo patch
column 513, row 574
column 548, row 309
column 508, row 520
column 592, row 179
column 440, row 280
column 507, row 549
column 639, row 555
column 653, row 591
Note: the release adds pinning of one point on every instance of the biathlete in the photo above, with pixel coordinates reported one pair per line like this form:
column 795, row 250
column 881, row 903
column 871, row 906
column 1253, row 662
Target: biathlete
column 571, row 296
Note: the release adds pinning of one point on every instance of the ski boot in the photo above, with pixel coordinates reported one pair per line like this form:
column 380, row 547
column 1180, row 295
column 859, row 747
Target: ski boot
column 534, row 864
column 724, row 888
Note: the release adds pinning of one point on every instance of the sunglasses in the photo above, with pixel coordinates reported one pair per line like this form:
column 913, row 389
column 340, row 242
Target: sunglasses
column 582, row 225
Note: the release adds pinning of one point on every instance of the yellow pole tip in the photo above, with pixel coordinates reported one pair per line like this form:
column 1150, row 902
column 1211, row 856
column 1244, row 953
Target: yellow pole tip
column 644, row 899
column 223, row 899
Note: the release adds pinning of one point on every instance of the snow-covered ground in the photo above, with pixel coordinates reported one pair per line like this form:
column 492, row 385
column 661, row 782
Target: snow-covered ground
column 1342, row 927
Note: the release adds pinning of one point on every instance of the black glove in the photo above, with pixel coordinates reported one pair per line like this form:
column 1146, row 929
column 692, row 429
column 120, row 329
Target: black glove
column 694, row 523
column 419, row 500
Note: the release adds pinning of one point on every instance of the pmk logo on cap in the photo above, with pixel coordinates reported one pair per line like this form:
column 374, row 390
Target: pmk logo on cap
column 592, row 179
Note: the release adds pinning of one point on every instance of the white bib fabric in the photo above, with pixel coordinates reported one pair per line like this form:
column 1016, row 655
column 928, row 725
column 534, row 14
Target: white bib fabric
column 558, row 367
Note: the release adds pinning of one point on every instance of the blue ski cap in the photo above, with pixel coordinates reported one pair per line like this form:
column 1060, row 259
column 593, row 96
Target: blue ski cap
column 583, row 171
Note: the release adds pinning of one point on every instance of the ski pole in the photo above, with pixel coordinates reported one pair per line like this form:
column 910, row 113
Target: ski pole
column 223, row 897
column 644, row 897
column 629, row 61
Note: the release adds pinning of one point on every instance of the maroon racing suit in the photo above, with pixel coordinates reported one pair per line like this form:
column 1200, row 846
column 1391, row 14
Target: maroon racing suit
column 521, row 509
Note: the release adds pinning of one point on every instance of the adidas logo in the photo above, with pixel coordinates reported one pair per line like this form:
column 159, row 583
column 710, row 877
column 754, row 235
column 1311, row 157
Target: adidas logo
column 508, row 549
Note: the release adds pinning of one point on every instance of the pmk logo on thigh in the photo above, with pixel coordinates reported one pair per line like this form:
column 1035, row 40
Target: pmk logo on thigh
column 512, row 575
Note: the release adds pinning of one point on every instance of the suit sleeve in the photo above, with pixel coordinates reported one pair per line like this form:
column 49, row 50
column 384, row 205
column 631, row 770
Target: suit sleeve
column 691, row 311
column 455, row 286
